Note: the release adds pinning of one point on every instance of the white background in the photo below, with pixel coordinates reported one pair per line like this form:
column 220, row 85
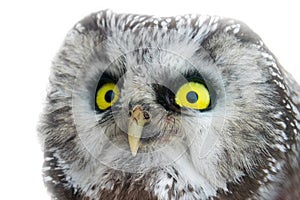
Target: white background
column 31, row 33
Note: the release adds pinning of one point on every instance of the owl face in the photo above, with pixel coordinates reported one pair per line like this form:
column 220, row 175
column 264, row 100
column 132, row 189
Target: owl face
column 142, row 94
column 140, row 112
column 138, row 96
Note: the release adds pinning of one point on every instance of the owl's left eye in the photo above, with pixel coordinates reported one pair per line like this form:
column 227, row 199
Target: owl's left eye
column 193, row 95
column 107, row 95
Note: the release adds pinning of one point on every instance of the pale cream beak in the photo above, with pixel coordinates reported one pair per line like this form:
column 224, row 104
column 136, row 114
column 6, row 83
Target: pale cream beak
column 136, row 124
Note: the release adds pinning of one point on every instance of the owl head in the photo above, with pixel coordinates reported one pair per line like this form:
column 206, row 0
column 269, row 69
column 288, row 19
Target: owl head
column 136, row 94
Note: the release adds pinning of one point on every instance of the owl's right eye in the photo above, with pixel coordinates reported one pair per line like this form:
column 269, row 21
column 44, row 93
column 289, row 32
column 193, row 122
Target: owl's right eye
column 107, row 95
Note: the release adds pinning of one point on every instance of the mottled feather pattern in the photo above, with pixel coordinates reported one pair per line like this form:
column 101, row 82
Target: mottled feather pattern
column 253, row 124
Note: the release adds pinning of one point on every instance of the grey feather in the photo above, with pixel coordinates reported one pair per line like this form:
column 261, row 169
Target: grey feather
column 245, row 146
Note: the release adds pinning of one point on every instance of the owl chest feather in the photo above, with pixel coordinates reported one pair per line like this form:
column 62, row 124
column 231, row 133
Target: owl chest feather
column 128, row 189
column 148, row 186
column 160, row 184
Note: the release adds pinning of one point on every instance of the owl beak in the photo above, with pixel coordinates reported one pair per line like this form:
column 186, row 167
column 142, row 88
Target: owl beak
column 138, row 118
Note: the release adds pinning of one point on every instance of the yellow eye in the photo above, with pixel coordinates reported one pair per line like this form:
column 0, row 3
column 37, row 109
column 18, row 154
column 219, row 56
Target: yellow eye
column 193, row 95
column 107, row 95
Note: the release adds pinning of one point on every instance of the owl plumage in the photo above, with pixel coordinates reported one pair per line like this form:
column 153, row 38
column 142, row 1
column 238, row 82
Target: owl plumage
column 186, row 107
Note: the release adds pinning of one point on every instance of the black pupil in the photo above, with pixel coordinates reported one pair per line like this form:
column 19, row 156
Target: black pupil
column 109, row 96
column 192, row 97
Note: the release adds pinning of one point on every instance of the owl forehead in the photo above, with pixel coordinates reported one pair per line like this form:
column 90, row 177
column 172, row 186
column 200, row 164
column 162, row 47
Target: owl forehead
column 157, row 64
column 152, row 53
column 153, row 64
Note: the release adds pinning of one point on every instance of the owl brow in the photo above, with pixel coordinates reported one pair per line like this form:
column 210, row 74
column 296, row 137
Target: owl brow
column 193, row 75
column 116, row 70
column 109, row 75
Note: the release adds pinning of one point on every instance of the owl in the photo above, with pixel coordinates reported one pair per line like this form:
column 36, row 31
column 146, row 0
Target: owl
column 185, row 107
